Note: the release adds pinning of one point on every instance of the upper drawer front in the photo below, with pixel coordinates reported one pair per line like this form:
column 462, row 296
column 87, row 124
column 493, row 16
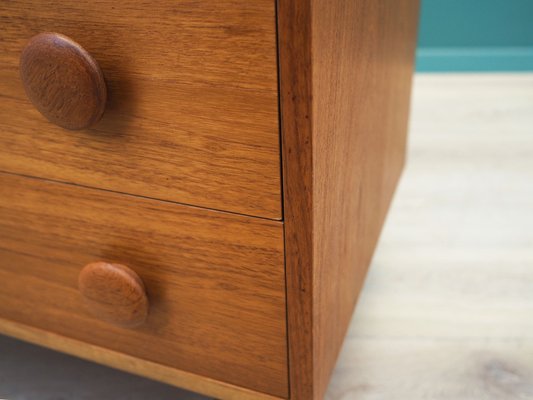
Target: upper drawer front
column 214, row 281
column 192, row 111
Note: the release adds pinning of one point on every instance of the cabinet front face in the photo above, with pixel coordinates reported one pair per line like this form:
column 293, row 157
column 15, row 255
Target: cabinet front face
column 212, row 284
column 192, row 101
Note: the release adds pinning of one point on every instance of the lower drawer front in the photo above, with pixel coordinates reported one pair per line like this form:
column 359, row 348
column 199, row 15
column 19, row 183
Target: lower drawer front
column 215, row 281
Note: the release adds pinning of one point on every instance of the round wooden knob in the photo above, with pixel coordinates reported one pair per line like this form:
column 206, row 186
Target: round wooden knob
column 63, row 81
column 114, row 293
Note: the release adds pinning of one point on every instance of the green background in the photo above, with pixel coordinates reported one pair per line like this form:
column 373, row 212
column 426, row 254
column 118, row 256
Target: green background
column 475, row 35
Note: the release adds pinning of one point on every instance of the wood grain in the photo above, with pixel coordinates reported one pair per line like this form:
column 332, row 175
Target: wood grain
column 114, row 293
column 192, row 112
column 124, row 362
column 215, row 281
column 345, row 70
column 63, row 81
column 294, row 26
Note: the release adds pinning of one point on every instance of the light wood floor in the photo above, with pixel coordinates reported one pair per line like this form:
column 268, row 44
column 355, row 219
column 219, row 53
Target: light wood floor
column 447, row 310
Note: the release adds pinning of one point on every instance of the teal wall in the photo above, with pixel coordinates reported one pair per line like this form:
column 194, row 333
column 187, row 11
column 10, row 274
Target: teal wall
column 475, row 35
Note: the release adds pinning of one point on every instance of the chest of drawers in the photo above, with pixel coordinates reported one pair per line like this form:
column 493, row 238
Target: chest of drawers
column 192, row 190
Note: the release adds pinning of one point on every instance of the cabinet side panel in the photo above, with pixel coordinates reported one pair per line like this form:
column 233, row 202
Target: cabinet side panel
column 345, row 82
column 363, row 54
column 294, row 34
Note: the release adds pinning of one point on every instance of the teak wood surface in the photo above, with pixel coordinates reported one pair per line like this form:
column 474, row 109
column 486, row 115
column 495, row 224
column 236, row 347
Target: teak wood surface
column 345, row 82
column 215, row 281
column 192, row 110
column 193, row 118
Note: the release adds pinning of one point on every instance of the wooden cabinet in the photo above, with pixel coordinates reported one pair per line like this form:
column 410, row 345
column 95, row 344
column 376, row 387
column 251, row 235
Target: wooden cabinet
column 213, row 227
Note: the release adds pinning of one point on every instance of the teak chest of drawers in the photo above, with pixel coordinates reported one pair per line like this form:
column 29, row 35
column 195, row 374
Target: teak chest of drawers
column 192, row 190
